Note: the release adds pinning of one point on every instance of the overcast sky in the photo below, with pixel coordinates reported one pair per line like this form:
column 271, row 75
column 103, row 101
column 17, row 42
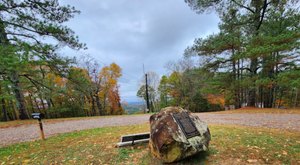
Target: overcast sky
column 136, row 32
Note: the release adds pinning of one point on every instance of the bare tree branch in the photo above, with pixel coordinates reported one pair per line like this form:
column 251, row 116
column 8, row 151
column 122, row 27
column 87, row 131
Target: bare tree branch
column 24, row 35
column 36, row 83
column 25, row 28
column 263, row 14
column 245, row 7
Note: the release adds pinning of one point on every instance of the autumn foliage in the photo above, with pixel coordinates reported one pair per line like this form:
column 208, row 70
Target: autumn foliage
column 79, row 92
column 109, row 92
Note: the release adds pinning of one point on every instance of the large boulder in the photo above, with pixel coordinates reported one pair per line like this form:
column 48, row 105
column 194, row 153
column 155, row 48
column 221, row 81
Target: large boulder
column 176, row 134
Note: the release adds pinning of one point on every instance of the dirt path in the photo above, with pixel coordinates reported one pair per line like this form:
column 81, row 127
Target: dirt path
column 29, row 132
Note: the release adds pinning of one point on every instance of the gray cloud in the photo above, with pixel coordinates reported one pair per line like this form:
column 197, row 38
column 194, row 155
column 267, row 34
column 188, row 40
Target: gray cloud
column 136, row 32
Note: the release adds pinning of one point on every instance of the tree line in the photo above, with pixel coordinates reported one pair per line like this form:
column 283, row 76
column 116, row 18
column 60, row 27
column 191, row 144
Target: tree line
column 35, row 78
column 252, row 61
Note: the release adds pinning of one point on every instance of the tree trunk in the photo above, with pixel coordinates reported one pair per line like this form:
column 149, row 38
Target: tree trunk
column 31, row 102
column 19, row 96
column 15, row 115
column 104, row 103
column 259, row 12
column 243, row 98
column 280, row 98
column 51, row 101
column 276, row 88
column 4, row 111
column 296, row 98
column 235, row 80
column 269, row 97
column 99, row 105
column 274, row 97
column 239, row 91
column 48, row 103
column 43, row 106
column 93, row 105
column 252, row 89
column 291, row 98
column 262, row 100
column 3, row 41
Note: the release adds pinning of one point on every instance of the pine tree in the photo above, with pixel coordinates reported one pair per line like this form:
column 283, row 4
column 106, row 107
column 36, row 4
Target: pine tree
column 23, row 27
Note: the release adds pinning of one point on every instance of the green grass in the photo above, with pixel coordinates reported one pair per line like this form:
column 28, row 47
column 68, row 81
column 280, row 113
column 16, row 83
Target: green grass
column 230, row 144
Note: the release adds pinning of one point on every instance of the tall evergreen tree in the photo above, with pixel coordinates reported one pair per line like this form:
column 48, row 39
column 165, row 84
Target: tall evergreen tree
column 24, row 25
column 257, row 38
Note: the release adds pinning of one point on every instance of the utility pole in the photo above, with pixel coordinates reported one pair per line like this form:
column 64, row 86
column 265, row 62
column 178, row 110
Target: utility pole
column 147, row 95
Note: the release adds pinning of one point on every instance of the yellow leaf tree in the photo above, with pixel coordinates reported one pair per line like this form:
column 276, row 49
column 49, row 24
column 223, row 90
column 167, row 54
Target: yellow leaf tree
column 109, row 92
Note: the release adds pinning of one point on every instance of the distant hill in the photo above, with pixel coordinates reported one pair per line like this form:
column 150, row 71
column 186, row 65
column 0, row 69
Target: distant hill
column 136, row 103
column 134, row 107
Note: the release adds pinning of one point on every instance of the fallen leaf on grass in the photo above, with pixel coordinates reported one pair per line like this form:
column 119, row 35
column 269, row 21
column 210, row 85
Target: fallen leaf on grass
column 109, row 147
column 284, row 153
column 252, row 160
column 90, row 156
column 256, row 147
column 26, row 161
column 266, row 159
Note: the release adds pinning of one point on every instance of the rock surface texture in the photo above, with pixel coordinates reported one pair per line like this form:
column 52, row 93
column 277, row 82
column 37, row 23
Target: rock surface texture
column 176, row 134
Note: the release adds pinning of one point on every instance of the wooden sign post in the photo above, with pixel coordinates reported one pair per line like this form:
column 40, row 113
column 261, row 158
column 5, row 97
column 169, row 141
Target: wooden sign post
column 39, row 116
column 41, row 129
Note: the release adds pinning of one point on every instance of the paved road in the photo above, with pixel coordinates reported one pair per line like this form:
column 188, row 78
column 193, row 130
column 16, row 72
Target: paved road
column 29, row 132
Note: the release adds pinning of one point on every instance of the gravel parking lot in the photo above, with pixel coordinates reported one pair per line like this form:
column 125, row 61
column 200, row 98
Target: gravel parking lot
column 29, row 132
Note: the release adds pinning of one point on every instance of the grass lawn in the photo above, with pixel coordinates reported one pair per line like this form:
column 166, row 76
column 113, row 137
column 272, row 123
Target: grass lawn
column 230, row 144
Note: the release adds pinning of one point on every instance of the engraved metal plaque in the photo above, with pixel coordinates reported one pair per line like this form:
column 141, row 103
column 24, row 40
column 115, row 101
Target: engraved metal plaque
column 186, row 124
